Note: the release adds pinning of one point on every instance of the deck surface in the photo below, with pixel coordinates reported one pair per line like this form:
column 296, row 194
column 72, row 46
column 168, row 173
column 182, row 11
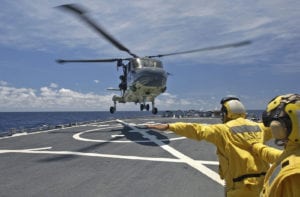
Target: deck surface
column 109, row 159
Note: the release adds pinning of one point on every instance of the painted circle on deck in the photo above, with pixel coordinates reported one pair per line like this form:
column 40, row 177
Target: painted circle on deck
column 78, row 136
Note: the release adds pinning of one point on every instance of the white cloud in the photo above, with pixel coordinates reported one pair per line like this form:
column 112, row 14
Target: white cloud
column 3, row 83
column 252, row 24
column 180, row 26
column 62, row 99
column 49, row 99
column 169, row 101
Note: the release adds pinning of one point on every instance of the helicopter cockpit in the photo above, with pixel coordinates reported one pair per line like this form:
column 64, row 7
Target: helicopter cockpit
column 137, row 63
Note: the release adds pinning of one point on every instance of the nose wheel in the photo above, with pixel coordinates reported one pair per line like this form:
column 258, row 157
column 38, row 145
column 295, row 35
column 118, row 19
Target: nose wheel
column 154, row 110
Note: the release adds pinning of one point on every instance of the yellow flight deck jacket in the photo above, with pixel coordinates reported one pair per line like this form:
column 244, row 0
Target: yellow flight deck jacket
column 283, row 178
column 243, row 172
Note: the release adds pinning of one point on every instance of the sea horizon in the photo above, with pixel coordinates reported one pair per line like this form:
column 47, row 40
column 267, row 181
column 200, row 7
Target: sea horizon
column 29, row 121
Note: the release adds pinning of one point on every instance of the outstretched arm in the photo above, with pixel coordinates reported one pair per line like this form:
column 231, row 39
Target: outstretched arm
column 254, row 143
column 195, row 131
column 267, row 153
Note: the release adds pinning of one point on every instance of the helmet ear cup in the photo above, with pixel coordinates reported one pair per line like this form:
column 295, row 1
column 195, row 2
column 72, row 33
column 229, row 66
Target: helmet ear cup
column 224, row 110
column 224, row 113
column 279, row 130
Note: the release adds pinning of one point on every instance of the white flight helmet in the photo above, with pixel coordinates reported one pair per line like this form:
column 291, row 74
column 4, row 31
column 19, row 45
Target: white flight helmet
column 232, row 108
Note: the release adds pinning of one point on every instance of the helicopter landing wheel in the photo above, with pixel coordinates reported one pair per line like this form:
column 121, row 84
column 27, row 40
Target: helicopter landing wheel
column 154, row 110
column 142, row 107
column 147, row 107
column 112, row 109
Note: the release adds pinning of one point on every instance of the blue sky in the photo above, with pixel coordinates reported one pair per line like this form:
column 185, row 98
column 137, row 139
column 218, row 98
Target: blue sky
column 34, row 34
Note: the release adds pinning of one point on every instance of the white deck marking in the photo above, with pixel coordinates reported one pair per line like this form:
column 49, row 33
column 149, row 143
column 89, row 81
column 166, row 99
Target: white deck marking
column 77, row 136
column 193, row 163
column 45, row 150
column 19, row 134
column 45, row 131
column 114, row 136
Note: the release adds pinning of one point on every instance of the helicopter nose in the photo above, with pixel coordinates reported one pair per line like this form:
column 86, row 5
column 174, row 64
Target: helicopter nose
column 152, row 78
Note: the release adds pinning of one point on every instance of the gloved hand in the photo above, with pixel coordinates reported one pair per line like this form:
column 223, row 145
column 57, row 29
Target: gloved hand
column 161, row 127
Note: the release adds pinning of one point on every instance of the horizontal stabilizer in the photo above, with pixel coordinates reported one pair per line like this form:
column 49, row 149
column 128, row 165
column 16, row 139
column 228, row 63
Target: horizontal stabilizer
column 114, row 89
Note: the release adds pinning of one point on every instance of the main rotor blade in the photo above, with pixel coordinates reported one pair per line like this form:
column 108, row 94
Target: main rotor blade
column 238, row 44
column 81, row 13
column 95, row 60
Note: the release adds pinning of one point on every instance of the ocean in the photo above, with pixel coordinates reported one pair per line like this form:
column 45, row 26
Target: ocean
column 31, row 121
column 14, row 122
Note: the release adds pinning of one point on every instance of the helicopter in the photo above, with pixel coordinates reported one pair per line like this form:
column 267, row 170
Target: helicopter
column 143, row 78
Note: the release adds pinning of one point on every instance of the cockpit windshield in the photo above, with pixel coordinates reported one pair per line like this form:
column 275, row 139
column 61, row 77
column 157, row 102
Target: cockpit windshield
column 145, row 62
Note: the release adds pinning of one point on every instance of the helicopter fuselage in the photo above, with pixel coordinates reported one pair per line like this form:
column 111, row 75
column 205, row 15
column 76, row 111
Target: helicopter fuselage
column 146, row 79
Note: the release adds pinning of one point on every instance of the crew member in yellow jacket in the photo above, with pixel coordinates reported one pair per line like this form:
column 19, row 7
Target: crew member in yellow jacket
column 283, row 117
column 243, row 172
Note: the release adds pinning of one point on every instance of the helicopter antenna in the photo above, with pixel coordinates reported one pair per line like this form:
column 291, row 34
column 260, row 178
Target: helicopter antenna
column 237, row 44
column 81, row 13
